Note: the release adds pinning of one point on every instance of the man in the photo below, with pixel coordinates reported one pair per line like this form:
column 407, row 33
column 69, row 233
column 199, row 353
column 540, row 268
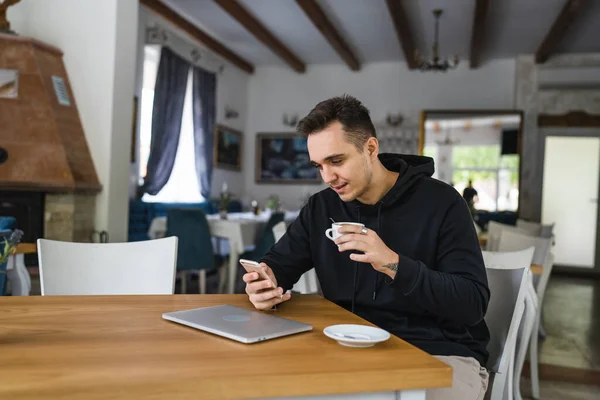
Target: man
column 469, row 195
column 415, row 271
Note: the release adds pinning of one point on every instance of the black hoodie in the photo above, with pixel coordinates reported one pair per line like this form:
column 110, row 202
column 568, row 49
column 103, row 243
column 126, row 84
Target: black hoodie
column 440, row 294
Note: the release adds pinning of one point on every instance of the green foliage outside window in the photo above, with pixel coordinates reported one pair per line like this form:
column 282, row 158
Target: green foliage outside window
column 468, row 160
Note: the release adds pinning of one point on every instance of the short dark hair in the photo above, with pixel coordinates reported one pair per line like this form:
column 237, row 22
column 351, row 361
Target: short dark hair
column 346, row 109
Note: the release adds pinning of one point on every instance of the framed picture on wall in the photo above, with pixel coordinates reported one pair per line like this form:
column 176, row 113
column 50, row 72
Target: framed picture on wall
column 283, row 158
column 227, row 148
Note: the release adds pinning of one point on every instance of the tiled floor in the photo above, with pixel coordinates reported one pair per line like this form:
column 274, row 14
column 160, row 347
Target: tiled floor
column 572, row 320
column 560, row 391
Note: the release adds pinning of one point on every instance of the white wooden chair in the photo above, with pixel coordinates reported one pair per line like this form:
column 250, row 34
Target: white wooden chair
column 536, row 229
column 494, row 229
column 477, row 228
column 511, row 241
column 308, row 282
column 509, row 280
column 146, row 267
column 279, row 230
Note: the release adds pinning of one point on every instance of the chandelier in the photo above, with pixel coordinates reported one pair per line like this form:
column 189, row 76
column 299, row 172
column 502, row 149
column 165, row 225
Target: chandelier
column 435, row 64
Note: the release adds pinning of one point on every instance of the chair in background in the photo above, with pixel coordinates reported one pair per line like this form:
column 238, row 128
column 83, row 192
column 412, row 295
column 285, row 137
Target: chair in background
column 509, row 280
column 234, row 206
column 141, row 215
column 494, row 229
column 279, row 230
column 477, row 228
column 511, row 241
column 536, row 229
column 195, row 252
column 308, row 282
column 265, row 239
column 107, row 268
column 7, row 223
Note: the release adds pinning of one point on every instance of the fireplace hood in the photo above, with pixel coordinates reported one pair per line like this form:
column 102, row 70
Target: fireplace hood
column 42, row 143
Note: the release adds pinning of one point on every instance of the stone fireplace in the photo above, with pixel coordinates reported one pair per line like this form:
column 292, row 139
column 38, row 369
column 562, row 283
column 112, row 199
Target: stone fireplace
column 47, row 177
column 57, row 216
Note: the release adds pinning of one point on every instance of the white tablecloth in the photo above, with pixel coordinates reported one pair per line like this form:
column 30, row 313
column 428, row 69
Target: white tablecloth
column 246, row 222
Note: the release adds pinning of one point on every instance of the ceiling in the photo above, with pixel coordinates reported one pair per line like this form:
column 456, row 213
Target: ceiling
column 511, row 27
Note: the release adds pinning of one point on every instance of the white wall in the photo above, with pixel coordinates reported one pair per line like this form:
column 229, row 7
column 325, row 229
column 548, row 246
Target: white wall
column 98, row 39
column 534, row 100
column 232, row 89
column 382, row 87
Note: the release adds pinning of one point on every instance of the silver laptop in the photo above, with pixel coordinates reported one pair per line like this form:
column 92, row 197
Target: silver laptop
column 237, row 323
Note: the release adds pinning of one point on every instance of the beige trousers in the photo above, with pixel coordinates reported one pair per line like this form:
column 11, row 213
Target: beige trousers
column 469, row 380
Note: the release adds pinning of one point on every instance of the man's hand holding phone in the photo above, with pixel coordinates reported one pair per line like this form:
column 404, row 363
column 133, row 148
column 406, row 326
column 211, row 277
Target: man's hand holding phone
column 261, row 286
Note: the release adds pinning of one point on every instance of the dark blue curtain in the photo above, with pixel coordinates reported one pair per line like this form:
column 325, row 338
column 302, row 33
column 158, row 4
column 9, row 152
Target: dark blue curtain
column 204, row 104
column 169, row 95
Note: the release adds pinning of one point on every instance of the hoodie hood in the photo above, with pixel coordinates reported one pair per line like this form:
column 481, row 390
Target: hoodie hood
column 411, row 168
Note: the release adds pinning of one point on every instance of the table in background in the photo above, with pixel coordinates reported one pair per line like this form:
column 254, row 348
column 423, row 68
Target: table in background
column 239, row 228
column 119, row 347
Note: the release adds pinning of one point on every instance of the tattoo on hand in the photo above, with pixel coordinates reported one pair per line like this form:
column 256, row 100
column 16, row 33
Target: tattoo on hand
column 392, row 266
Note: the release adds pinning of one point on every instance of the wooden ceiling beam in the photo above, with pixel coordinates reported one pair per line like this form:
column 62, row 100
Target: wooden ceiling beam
column 478, row 32
column 173, row 17
column 402, row 27
column 259, row 31
column 558, row 30
column 315, row 13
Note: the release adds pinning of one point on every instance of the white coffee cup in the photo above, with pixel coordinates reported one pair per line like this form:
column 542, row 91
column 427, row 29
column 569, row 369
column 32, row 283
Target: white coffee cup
column 332, row 233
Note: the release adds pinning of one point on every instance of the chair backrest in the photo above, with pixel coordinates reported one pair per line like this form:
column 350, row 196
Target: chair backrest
column 7, row 223
column 477, row 228
column 234, row 206
column 279, row 230
column 536, row 229
column 266, row 239
column 512, row 241
column 494, row 229
column 146, row 267
column 508, row 279
column 195, row 248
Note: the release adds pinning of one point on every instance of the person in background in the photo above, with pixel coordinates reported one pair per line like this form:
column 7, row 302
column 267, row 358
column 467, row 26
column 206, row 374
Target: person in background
column 470, row 195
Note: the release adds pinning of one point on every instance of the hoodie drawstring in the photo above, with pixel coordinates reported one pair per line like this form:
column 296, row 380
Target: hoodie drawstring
column 355, row 269
column 376, row 284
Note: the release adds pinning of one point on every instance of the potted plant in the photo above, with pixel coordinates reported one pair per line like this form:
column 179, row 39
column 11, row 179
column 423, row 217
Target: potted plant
column 273, row 203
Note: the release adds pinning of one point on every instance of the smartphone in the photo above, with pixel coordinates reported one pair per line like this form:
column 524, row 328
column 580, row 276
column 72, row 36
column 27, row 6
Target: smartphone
column 253, row 266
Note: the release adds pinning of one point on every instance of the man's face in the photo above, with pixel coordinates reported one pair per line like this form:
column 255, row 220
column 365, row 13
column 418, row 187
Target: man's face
column 345, row 169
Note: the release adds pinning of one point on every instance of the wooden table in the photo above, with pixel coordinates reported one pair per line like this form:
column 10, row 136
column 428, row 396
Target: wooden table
column 119, row 347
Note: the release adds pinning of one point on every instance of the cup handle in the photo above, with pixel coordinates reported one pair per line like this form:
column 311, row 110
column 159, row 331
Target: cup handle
column 329, row 232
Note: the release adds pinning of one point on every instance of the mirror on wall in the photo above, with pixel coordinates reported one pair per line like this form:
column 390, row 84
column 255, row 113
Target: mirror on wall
column 478, row 152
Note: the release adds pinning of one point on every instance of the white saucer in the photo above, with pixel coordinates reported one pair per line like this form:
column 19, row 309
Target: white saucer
column 356, row 335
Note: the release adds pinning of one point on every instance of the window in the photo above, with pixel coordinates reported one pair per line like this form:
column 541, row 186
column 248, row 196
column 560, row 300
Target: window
column 182, row 186
column 494, row 176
